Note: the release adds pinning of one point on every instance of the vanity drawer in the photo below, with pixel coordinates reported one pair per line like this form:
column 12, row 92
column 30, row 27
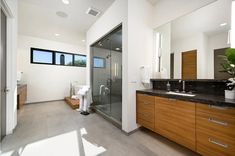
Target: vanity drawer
column 215, row 127
column 146, row 101
column 145, row 110
column 224, row 112
column 210, row 144
column 219, row 120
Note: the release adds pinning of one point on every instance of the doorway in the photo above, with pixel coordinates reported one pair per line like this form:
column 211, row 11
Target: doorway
column 3, row 78
column 189, row 65
column 217, row 64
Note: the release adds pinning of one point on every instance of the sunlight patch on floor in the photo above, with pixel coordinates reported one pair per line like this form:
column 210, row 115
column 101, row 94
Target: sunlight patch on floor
column 65, row 144
column 89, row 148
column 62, row 145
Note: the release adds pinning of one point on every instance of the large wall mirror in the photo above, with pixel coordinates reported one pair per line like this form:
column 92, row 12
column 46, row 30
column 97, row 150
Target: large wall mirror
column 188, row 47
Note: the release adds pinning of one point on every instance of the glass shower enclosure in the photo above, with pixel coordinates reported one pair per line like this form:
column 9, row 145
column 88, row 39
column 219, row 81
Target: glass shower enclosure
column 106, row 76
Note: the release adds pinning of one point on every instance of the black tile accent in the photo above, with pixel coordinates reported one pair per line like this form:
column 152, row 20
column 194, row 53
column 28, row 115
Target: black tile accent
column 202, row 86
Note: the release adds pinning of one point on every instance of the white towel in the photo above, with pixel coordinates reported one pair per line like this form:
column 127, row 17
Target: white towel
column 85, row 98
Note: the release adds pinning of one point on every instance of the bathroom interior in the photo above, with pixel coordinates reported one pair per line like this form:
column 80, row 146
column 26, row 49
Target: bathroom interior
column 159, row 78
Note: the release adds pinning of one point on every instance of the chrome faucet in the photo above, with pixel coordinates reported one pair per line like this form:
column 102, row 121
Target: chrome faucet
column 183, row 85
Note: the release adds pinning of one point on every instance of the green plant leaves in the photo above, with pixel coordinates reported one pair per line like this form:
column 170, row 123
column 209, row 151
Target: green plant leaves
column 230, row 54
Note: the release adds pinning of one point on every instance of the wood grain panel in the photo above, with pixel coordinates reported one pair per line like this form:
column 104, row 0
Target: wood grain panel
column 145, row 110
column 215, row 127
column 175, row 120
column 208, row 144
column 21, row 96
column 189, row 64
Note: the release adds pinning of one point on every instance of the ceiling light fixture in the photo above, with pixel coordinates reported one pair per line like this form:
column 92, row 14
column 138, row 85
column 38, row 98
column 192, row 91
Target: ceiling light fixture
column 57, row 34
column 83, row 40
column 65, row 2
column 223, row 24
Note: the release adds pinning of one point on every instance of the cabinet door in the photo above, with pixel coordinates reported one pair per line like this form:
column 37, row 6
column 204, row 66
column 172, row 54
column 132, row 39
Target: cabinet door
column 145, row 110
column 175, row 120
column 215, row 127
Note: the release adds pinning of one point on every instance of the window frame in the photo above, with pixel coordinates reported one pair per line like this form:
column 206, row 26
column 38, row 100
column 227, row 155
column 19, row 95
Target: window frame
column 42, row 50
column 65, row 54
column 54, row 57
column 79, row 55
column 99, row 58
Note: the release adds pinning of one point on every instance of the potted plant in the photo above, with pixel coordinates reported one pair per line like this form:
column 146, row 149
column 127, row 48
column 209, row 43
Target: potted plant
column 229, row 67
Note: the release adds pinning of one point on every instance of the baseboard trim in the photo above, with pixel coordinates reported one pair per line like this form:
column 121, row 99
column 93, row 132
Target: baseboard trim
column 31, row 103
column 131, row 132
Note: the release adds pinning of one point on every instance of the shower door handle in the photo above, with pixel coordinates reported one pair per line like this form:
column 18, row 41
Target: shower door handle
column 109, row 82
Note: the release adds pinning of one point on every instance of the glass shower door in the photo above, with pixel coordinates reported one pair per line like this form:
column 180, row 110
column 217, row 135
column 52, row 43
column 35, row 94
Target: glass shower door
column 107, row 76
column 116, row 76
column 101, row 77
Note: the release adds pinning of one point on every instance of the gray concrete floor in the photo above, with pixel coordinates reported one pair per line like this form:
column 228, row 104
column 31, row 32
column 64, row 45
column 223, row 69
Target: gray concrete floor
column 53, row 129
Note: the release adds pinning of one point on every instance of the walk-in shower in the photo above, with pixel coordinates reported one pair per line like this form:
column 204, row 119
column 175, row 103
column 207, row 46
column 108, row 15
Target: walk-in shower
column 106, row 75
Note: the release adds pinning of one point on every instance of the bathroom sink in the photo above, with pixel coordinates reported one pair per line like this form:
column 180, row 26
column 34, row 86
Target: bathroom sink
column 181, row 94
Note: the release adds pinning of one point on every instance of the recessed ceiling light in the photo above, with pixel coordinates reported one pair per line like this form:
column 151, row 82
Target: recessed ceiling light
column 117, row 49
column 83, row 40
column 57, row 34
column 223, row 24
column 65, row 1
column 61, row 14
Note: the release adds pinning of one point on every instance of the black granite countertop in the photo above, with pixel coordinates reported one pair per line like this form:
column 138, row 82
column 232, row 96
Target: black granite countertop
column 199, row 98
column 193, row 80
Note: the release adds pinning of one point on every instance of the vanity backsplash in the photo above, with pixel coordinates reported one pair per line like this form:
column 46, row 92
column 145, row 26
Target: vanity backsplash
column 205, row 86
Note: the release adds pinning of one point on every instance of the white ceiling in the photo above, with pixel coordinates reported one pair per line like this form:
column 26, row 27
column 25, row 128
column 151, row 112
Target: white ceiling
column 205, row 20
column 38, row 18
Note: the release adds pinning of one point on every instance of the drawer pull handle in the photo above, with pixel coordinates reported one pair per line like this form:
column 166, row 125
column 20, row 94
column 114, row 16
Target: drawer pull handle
column 217, row 143
column 171, row 99
column 218, row 122
column 218, row 107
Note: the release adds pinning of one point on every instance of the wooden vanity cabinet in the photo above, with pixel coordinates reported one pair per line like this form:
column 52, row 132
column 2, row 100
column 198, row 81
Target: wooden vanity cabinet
column 207, row 129
column 145, row 110
column 171, row 118
column 215, row 129
column 21, row 96
column 175, row 120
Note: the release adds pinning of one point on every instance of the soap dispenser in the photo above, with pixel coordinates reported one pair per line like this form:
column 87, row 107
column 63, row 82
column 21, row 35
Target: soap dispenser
column 168, row 86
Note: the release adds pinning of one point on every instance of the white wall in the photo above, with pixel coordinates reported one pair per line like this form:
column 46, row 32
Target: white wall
column 48, row 82
column 217, row 41
column 165, row 31
column 114, row 16
column 137, row 34
column 233, row 25
column 140, row 47
column 197, row 42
